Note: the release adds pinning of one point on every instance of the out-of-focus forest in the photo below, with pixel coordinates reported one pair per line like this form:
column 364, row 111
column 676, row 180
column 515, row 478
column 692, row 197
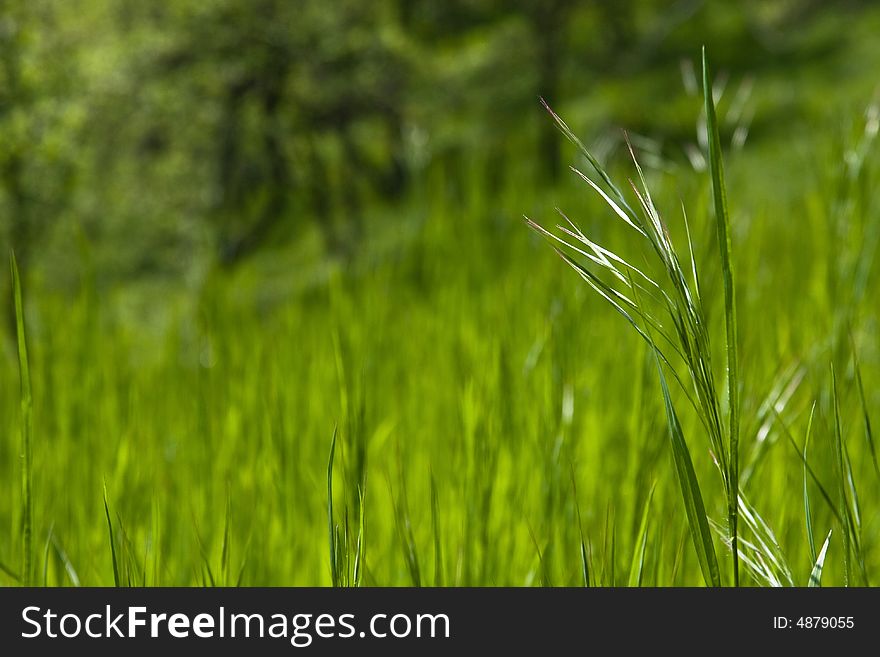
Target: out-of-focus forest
column 159, row 142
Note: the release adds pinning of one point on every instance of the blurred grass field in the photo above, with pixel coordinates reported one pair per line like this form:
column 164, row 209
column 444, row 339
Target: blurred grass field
column 495, row 422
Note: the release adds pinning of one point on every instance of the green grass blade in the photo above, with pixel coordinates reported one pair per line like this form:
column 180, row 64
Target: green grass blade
column 869, row 434
column 808, row 515
column 361, row 546
column 573, row 138
column 224, row 552
column 760, row 543
column 244, row 562
column 112, row 539
column 614, row 206
column 609, row 295
column 68, row 565
column 855, row 515
column 695, row 510
column 638, row 560
column 334, row 574
column 722, row 221
column 585, row 561
column 11, row 574
column 843, row 506
column 405, row 530
column 816, row 573
column 435, row 532
column 206, row 557
column 27, row 428
column 690, row 490
column 46, row 549
column 612, row 581
column 545, row 575
column 155, row 540
column 698, row 298
column 855, row 506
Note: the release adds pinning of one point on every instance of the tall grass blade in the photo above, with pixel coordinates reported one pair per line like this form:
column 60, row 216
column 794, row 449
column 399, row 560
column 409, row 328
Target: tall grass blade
column 695, row 510
column 638, row 560
column 224, row 552
column 855, row 507
column 116, row 580
column 869, row 434
column 760, row 546
column 27, row 428
column 573, row 138
column 698, row 298
column 155, row 540
column 435, row 531
column 843, row 506
column 65, row 560
column 612, row 581
column 690, row 490
column 244, row 562
column 808, row 515
column 722, row 221
column 46, row 548
column 334, row 573
column 11, row 574
column 361, row 546
column 405, row 530
column 545, row 575
column 585, row 562
column 816, row 573
column 207, row 571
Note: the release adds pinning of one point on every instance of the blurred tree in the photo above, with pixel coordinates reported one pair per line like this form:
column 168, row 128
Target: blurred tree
column 294, row 85
column 36, row 165
column 527, row 49
column 38, row 121
column 548, row 21
column 170, row 135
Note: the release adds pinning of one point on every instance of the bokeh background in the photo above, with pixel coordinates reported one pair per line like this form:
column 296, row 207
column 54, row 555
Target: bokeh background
column 242, row 224
column 164, row 142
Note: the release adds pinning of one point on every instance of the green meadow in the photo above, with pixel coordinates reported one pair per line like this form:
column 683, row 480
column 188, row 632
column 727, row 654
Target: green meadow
column 444, row 401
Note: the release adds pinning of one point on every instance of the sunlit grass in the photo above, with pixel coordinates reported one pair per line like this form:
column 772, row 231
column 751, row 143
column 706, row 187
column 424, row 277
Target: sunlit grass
column 496, row 422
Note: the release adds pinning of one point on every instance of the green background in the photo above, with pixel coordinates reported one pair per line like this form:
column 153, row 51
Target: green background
column 242, row 227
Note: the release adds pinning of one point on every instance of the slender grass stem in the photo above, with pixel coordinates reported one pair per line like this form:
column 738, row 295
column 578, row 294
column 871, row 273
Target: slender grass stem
column 27, row 428
column 722, row 222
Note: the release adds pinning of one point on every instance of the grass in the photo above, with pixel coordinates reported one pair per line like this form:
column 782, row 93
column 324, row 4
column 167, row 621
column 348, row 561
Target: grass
column 496, row 421
column 683, row 307
column 682, row 324
column 722, row 222
column 25, row 574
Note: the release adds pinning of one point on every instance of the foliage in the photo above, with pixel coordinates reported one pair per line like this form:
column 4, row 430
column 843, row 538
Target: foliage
column 240, row 226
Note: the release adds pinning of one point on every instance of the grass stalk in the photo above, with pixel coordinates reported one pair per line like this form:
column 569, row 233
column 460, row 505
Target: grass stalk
column 683, row 334
column 722, row 223
column 27, row 428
